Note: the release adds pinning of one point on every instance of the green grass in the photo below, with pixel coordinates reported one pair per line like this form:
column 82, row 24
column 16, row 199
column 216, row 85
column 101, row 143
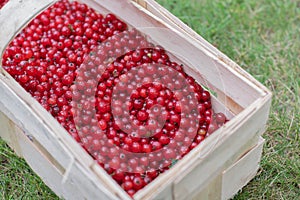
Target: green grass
column 17, row 180
column 263, row 37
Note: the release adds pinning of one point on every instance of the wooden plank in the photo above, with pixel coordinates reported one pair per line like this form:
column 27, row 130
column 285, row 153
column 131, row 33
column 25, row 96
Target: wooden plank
column 50, row 175
column 218, row 106
column 212, row 191
column 212, row 168
column 172, row 20
column 7, row 130
column 241, row 172
column 125, row 11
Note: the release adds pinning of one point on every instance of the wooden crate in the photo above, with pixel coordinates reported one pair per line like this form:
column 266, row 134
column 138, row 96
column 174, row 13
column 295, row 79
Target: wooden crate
column 216, row 169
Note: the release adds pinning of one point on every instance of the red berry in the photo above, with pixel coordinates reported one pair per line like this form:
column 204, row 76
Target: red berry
column 138, row 183
column 220, row 118
column 127, row 185
column 142, row 115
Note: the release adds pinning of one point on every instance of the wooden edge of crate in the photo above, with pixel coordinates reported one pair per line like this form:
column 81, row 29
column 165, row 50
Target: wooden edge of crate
column 74, row 181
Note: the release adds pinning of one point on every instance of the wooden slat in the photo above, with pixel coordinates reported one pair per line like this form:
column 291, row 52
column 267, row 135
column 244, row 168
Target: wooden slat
column 7, row 128
column 236, row 176
column 159, row 11
column 241, row 172
column 212, row 191
column 156, row 193
column 50, row 175
column 125, row 11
